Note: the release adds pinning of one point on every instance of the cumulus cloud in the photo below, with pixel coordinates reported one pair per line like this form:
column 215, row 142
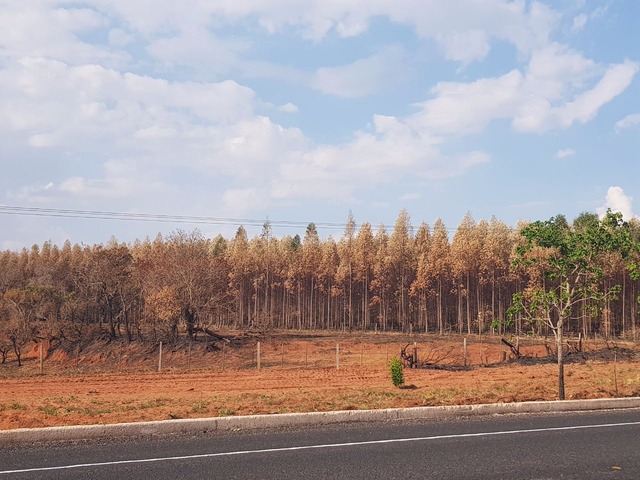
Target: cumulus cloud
column 464, row 28
column 617, row 201
column 387, row 153
column 103, row 87
column 462, row 108
column 37, row 29
column 147, row 127
column 535, row 101
column 586, row 105
column 539, row 114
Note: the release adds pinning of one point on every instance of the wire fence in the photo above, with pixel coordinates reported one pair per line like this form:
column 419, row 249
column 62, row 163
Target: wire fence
column 306, row 351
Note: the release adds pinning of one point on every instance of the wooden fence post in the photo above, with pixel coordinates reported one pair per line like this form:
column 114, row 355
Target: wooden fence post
column 160, row 358
column 41, row 358
column 258, row 356
column 189, row 356
column 615, row 371
column 464, row 348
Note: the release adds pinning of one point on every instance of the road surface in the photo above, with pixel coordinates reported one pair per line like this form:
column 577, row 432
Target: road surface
column 596, row 445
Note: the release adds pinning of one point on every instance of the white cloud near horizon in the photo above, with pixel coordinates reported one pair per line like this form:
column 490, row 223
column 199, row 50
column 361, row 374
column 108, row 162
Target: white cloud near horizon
column 618, row 202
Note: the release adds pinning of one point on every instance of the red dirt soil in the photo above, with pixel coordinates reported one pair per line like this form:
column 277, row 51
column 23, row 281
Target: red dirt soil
column 120, row 382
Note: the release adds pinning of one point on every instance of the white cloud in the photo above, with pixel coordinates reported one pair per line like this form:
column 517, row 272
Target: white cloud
column 363, row 77
column 120, row 38
column 538, row 114
column 630, row 121
column 462, row 108
column 38, row 29
column 555, row 70
column 238, row 201
column 385, row 155
column 198, row 49
column 148, row 127
column 411, row 196
column 289, row 108
column 566, row 152
column 618, row 202
column 464, row 28
column 554, row 93
column 579, row 22
column 465, row 47
column 104, row 86
column 54, row 101
column 586, row 105
column 145, row 129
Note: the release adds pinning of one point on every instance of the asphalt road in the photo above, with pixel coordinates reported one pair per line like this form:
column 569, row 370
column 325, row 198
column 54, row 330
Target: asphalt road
column 598, row 445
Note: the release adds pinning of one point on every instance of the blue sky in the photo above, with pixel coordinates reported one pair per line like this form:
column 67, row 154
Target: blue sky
column 305, row 111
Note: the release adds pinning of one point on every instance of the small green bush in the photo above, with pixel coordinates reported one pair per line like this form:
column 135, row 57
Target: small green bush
column 395, row 368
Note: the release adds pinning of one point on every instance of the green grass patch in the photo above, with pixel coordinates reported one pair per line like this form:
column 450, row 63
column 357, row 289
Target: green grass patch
column 49, row 410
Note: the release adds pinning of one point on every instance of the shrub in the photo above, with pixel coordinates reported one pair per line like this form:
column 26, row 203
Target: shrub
column 395, row 368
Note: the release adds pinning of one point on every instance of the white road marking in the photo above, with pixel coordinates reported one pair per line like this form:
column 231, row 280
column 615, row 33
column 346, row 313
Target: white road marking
column 310, row 447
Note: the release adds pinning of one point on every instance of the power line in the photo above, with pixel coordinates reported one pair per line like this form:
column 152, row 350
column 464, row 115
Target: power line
column 164, row 218
column 161, row 218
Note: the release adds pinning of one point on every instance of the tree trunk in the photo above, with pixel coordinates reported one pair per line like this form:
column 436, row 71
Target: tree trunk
column 558, row 335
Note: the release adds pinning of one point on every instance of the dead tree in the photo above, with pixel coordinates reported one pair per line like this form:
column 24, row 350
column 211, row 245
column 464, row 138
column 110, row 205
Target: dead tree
column 408, row 359
column 515, row 350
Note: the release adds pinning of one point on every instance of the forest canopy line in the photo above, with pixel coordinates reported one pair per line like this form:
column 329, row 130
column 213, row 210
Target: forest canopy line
column 407, row 279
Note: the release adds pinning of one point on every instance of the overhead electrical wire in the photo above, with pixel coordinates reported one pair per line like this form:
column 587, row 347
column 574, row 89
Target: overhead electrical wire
column 165, row 218
column 162, row 218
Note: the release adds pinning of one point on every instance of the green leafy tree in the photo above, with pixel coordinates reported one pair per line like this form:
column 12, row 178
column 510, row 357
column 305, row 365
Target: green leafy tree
column 563, row 264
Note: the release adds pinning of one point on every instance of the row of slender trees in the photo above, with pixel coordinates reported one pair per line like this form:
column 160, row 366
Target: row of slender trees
column 420, row 280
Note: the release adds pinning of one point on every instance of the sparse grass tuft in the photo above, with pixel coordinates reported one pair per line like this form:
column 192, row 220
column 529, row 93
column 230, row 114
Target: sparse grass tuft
column 49, row 410
column 200, row 407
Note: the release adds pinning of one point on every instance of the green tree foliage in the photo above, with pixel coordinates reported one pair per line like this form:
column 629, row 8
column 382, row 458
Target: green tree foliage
column 565, row 271
column 395, row 369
